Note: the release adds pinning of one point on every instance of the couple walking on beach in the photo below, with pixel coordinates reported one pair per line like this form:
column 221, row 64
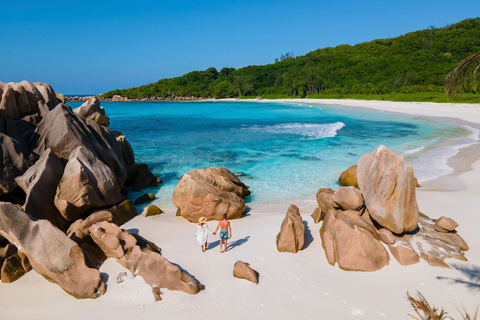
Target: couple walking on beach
column 203, row 231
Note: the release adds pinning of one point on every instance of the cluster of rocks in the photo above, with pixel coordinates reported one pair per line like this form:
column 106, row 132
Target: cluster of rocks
column 77, row 98
column 63, row 179
column 385, row 209
column 117, row 98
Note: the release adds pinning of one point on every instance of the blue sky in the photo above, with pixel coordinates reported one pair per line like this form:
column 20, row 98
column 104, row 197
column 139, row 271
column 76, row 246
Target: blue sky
column 88, row 47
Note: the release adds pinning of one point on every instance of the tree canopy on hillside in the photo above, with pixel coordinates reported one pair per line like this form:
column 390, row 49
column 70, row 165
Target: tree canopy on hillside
column 415, row 62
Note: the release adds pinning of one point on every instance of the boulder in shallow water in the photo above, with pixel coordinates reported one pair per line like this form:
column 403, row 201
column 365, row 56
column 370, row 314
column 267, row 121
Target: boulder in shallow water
column 147, row 197
column 388, row 187
column 349, row 177
column 87, row 183
column 210, row 193
column 242, row 270
column 291, row 237
column 51, row 253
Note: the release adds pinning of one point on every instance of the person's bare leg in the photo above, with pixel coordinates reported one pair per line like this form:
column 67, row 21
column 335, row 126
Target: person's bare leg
column 221, row 244
column 206, row 244
column 225, row 246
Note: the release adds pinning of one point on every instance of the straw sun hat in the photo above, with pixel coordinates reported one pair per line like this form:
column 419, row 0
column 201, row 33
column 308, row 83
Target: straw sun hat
column 202, row 220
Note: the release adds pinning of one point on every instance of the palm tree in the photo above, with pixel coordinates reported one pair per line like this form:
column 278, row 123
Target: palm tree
column 459, row 76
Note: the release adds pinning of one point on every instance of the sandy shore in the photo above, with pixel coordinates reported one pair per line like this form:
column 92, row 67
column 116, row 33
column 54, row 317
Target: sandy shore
column 292, row 286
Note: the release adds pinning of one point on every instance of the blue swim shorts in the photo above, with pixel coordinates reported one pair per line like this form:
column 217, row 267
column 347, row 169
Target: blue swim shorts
column 223, row 235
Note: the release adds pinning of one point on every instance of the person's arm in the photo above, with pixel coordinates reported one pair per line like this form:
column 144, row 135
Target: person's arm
column 218, row 226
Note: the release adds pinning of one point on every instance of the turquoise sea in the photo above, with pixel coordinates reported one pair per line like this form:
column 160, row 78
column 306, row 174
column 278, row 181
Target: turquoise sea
column 284, row 152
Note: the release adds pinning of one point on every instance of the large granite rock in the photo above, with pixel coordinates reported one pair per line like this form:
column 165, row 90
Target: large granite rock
column 118, row 215
column 349, row 177
column 157, row 271
column 325, row 203
column 87, row 183
column 388, row 187
column 445, row 224
column 91, row 109
column 352, row 241
column 40, row 183
column 242, row 270
column 18, row 100
column 15, row 159
column 63, row 131
column 21, row 130
column 210, row 193
column 50, row 252
column 126, row 149
column 291, row 237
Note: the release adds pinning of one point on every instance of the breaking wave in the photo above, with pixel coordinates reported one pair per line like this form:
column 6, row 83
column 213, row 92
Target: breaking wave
column 306, row 130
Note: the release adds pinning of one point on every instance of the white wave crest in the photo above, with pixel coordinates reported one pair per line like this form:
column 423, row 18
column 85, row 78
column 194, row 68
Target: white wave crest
column 307, row 130
column 413, row 151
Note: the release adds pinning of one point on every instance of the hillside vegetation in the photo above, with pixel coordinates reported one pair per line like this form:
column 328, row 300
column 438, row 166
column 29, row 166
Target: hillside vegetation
column 411, row 63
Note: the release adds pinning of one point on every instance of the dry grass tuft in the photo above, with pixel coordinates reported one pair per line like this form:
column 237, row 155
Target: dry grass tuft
column 424, row 310
column 427, row 312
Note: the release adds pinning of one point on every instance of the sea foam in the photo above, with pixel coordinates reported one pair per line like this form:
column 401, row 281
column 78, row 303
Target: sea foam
column 306, row 130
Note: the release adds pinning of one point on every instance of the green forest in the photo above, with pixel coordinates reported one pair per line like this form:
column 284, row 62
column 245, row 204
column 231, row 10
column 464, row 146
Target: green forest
column 416, row 62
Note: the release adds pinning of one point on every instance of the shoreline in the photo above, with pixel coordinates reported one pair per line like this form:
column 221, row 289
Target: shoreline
column 465, row 114
column 301, row 285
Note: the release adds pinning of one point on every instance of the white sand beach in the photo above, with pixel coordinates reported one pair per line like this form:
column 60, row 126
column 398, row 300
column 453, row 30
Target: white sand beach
column 292, row 286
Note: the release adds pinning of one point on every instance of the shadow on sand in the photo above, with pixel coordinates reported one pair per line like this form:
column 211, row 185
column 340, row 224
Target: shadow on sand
column 308, row 236
column 472, row 275
column 230, row 245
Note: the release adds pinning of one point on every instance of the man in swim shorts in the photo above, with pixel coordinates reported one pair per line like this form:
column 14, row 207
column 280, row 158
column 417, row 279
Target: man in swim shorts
column 225, row 232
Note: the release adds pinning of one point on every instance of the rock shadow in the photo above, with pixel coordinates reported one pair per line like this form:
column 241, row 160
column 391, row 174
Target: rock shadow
column 471, row 273
column 308, row 236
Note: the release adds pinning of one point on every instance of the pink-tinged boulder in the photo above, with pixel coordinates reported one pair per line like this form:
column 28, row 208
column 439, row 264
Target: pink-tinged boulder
column 242, row 270
column 40, row 183
column 348, row 198
column 292, row 232
column 15, row 159
column 210, row 193
column 50, row 252
column 119, row 214
column 63, row 131
column 157, row 271
column 352, row 241
column 18, row 100
column 91, row 110
column 388, row 187
column 87, row 184
column 349, row 177
column 404, row 253
column 386, row 236
column 444, row 224
column 325, row 203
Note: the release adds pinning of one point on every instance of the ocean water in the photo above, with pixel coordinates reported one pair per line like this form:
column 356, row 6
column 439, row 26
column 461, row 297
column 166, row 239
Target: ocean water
column 284, row 152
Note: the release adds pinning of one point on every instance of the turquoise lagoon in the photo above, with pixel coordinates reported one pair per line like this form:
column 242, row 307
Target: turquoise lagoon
column 284, row 152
